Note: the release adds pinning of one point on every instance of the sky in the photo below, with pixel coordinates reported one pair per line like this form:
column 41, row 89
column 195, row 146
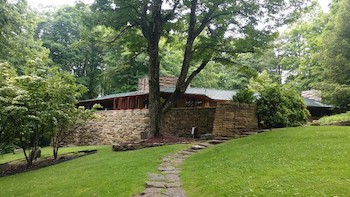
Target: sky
column 44, row 3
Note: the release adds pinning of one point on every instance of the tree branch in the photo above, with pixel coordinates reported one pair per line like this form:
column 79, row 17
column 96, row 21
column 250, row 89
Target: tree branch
column 197, row 71
column 125, row 29
column 169, row 15
column 144, row 23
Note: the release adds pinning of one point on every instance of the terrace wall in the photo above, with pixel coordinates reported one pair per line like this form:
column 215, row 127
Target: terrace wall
column 112, row 126
column 226, row 120
column 179, row 121
column 232, row 119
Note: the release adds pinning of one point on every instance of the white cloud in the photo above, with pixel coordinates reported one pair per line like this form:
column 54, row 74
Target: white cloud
column 38, row 3
column 55, row 3
column 324, row 4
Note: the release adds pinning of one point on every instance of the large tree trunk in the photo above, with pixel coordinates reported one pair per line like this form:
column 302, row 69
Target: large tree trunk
column 154, row 91
column 152, row 29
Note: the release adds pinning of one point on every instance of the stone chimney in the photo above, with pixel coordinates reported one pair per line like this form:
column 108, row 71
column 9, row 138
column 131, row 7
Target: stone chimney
column 164, row 82
column 312, row 94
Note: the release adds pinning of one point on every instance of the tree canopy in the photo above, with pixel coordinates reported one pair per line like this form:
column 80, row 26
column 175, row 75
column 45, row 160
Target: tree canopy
column 215, row 44
column 336, row 55
column 208, row 31
column 18, row 45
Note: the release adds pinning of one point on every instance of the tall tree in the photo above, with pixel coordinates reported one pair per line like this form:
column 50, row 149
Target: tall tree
column 74, row 44
column 18, row 45
column 336, row 55
column 124, row 64
column 211, row 31
column 300, row 50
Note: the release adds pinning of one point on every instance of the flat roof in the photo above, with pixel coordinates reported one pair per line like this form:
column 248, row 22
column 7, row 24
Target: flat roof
column 210, row 93
column 314, row 103
column 118, row 95
column 213, row 94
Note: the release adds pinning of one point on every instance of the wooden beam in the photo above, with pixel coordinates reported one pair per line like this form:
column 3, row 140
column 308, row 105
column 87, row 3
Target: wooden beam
column 120, row 103
column 114, row 104
column 127, row 103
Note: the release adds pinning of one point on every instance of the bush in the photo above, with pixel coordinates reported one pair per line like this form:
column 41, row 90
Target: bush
column 6, row 148
column 281, row 108
column 244, row 96
column 335, row 118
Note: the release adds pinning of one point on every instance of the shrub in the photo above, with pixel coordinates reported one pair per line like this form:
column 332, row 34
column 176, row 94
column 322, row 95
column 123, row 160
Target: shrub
column 244, row 96
column 335, row 118
column 97, row 106
column 6, row 148
column 281, row 108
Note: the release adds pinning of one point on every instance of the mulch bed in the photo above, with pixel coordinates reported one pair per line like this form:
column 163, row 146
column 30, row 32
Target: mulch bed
column 167, row 139
column 15, row 167
column 152, row 142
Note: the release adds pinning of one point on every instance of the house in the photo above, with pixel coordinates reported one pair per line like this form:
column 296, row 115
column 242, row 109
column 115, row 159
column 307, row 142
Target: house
column 126, row 117
column 193, row 97
column 317, row 109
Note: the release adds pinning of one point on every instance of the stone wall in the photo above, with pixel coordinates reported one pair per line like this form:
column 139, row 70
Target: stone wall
column 226, row 120
column 232, row 119
column 179, row 121
column 112, row 126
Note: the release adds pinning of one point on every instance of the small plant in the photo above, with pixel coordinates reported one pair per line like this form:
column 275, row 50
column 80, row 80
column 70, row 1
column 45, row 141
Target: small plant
column 97, row 106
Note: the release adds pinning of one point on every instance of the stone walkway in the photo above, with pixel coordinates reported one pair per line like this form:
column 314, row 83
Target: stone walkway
column 167, row 182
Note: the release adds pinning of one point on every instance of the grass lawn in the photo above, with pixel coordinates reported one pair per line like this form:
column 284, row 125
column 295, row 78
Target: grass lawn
column 105, row 173
column 302, row 161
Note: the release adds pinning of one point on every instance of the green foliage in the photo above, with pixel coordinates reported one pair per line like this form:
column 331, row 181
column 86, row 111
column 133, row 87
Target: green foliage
column 278, row 107
column 97, row 106
column 6, row 148
column 283, row 162
column 122, row 71
column 298, row 50
column 208, row 31
column 336, row 55
column 17, row 43
column 261, row 82
column 343, row 117
column 34, row 106
column 244, row 96
column 336, row 94
column 74, row 44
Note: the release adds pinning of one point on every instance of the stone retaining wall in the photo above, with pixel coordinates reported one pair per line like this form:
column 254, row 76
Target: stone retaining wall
column 226, row 120
column 232, row 119
column 112, row 126
column 179, row 121
column 342, row 123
